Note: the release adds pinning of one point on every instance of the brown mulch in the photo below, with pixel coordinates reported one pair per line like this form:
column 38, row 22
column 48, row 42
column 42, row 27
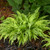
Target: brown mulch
column 5, row 9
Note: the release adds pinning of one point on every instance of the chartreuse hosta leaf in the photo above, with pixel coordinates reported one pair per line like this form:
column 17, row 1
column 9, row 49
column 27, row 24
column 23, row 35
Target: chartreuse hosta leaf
column 24, row 27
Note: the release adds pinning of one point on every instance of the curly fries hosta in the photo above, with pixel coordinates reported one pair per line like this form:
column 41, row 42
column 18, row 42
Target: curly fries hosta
column 24, row 28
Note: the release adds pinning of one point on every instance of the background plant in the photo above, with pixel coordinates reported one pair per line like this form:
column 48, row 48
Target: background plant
column 24, row 27
column 26, row 6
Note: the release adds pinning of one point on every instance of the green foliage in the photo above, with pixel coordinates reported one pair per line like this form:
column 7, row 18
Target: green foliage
column 26, row 6
column 24, row 27
column 2, row 18
column 48, row 42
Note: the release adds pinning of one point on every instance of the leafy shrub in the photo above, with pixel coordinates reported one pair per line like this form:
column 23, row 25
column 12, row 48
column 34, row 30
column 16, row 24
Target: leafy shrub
column 24, row 27
column 26, row 6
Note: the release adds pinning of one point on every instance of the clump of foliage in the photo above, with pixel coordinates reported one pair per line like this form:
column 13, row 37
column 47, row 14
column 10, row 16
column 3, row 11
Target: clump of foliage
column 24, row 27
column 26, row 6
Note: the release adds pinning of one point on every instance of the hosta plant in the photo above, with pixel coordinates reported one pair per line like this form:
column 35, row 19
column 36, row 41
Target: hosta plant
column 24, row 27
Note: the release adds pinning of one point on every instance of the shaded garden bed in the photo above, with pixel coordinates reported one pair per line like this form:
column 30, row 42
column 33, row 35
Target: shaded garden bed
column 4, row 45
